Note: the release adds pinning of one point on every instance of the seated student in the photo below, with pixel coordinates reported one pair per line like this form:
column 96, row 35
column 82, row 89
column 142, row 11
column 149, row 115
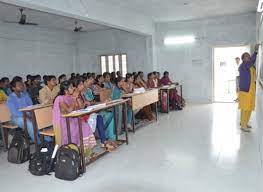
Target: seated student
column 64, row 104
column 5, row 86
column 157, row 78
column 118, row 73
column 3, row 96
column 34, row 89
column 72, row 76
column 146, row 111
column 117, row 92
column 152, row 83
column 129, row 86
column 93, row 75
column 62, row 78
column 139, row 81
column 112, row 77
column 99, row 83
column 141, row 76
column 49, row 92
column 28, row 81
column 173, row 94
column 107, row 81
column 17, row 100
column 85, row 100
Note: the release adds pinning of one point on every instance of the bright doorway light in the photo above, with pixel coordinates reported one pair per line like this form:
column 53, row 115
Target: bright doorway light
column 179, row 40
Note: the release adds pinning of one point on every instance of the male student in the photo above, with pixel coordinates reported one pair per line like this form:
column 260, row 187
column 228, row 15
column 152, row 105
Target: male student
column 49, row 92
column 19, row 99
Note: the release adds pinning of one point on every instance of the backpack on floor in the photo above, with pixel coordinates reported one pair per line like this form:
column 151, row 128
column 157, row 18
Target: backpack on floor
column 40, row 162
column 19, row 150
column 68, row 163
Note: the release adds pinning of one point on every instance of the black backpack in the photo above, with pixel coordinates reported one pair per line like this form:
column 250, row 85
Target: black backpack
column 40, row 162
column 68, row 163
column 19, row 150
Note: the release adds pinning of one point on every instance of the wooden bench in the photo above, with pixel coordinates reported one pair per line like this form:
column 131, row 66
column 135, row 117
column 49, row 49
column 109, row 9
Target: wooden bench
column 5, row 123
column 41, row 120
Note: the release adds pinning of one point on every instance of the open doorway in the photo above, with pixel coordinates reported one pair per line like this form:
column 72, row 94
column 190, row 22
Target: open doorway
column 226, row 71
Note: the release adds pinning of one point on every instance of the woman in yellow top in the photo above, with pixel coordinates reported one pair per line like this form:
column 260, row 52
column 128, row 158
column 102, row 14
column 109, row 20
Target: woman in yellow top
column 3, row 96
column 247, row 88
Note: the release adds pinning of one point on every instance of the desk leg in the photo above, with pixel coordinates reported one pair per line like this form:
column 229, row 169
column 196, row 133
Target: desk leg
column 25, row 127
column 133, row 122
column 115, row 123
column 4, row 132
column 181, row 87
column 68, row 130
column 156, row 111
column 34, row 122
column 168, row 100
column 83, row 165
column 124, row 118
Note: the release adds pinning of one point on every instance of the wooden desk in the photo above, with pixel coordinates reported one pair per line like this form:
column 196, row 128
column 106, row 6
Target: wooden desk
column 80, row 113
column 31, row 110
column 140, row 100
column 167, row 89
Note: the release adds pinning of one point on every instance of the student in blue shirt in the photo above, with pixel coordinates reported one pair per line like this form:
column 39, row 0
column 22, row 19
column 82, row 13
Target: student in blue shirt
column 19, row 99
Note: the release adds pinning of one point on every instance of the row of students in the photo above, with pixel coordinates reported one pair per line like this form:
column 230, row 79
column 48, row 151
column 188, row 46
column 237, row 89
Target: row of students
column 73, row 94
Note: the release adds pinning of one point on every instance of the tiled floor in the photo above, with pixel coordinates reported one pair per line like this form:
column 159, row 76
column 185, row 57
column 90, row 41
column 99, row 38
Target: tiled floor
column 198, row 149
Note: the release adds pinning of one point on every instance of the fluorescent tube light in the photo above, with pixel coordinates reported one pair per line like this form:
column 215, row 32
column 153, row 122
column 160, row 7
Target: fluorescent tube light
column 260, row 6
column 179, row 40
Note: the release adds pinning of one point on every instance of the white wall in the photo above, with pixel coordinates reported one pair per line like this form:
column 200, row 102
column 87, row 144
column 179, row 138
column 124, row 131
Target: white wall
column 192, row 64
column 93, row 44
column 26, row 49
column 259, row 105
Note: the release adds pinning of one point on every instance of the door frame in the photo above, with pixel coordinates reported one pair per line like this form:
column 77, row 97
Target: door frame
column 213, row 66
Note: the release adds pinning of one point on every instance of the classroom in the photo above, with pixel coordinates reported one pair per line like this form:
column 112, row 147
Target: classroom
column 134, row 96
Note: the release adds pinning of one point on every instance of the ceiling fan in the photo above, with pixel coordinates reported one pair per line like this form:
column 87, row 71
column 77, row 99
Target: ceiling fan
column 22, row 20
column 78, row 28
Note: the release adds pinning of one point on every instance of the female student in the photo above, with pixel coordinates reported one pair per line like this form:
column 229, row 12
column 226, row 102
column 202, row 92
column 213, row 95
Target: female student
column 107, row 81
column 65, row 103
column 85, row 98
column 247, row 88
column 129, row 86
column 151, row 82
column 173, row 94
column 99, row 83
column 117, row 92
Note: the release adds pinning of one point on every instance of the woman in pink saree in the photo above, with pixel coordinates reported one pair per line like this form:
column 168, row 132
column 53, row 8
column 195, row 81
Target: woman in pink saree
column 64, row 104
column 165, row 80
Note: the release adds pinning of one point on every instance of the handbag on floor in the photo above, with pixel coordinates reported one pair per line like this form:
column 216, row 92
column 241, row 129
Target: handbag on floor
column 19, row 150
column 40, row 162
column 68, row 163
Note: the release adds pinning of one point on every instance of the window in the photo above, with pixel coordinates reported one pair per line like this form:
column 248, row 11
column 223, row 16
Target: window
column 114, row 63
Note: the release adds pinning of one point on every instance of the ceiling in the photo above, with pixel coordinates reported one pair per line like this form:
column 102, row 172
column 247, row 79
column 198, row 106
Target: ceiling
column 174, row 10
column 46, row 20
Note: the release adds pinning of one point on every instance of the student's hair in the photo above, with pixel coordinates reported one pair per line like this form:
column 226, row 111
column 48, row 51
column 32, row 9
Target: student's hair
column 39, row 76
column 149, row 75
column 165, row 73
column 105, row 74
column 136, row 77
column 237, row 58
column 5, row 79
column 128, row 75
column 97, row 78
column 72, row 75
column 48, row 78
column 14, row 81
column 35, row 77
column 61, row 77
column 89, row 76
column 28, row 77
column 17, row 78
column 117, row 80
column 140, row 72
column 64, row 86
column 76, row 82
